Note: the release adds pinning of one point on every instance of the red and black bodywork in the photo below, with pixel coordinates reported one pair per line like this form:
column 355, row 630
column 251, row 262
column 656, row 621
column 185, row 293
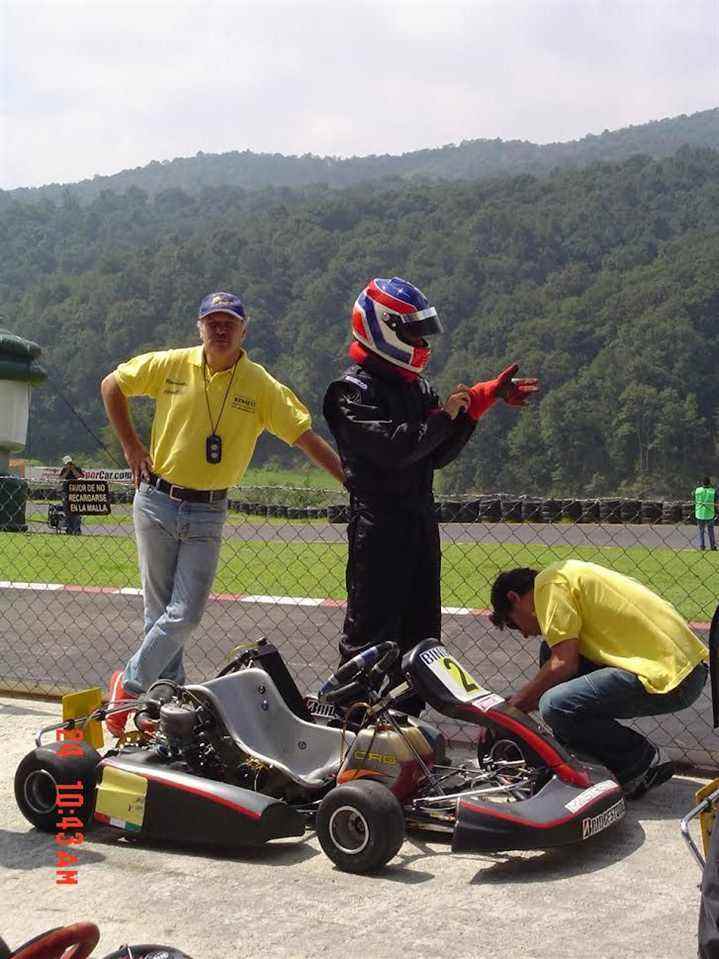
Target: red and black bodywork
column 576, row 800
column 179, row 806
column 240, row 760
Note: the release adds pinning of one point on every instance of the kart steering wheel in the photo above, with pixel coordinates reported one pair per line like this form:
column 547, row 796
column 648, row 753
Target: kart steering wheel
column 80, row 939
column 371, row 664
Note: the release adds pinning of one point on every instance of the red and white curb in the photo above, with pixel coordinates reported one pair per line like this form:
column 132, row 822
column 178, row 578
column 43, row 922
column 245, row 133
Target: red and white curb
column 238, row 598
column 218, row 597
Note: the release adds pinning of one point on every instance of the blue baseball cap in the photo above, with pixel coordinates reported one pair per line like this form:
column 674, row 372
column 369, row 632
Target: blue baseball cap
column 222, row 303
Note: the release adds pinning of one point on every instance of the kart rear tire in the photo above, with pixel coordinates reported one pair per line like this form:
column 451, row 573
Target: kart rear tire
column 360, row 826
column 38, row 776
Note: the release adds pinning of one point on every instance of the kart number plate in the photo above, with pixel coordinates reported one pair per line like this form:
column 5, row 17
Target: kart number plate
column 452, row 675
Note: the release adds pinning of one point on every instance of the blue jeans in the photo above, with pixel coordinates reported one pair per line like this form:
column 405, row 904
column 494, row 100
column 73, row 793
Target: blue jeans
column 583, row 712
column 73, row 524
column 178, row 545
column 73, row 521
column 708, row 525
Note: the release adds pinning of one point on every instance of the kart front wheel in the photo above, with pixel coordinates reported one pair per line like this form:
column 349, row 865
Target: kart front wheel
column 45, row 769
column 360, row 826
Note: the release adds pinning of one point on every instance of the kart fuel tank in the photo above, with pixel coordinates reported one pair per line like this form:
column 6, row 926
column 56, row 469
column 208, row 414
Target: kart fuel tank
column 381, row 753
column 142, row 795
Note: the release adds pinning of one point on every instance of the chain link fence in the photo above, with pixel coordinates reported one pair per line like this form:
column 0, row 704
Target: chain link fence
column 71, row 609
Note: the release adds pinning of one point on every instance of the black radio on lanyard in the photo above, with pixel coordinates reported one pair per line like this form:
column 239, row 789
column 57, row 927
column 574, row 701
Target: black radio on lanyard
column 213, row 443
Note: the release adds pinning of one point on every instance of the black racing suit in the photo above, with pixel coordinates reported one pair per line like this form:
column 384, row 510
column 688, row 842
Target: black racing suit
column 391, row 435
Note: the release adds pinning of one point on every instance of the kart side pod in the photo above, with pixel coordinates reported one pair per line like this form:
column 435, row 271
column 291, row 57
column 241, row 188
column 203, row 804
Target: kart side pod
column 148, row 800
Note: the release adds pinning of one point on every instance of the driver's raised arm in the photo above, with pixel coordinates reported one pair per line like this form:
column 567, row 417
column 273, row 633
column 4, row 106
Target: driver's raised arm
column 362, row 425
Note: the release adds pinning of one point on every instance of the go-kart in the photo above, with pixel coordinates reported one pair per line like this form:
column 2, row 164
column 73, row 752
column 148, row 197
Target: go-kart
column 243, row 759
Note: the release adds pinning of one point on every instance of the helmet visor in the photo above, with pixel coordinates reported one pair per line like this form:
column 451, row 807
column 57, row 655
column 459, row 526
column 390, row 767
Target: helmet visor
column 417, row 325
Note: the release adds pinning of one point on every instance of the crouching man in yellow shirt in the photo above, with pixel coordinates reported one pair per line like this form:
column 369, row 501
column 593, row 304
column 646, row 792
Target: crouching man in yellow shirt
column 211, row 405
column 613, row 650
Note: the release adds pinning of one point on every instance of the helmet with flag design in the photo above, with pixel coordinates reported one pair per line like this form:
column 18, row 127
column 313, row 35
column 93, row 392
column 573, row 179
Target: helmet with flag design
column 392, row 318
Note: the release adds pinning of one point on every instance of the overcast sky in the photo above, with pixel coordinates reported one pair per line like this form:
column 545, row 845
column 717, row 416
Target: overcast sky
column 91, row 86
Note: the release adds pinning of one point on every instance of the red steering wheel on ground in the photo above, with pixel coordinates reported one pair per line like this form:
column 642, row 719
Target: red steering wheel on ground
column 71, row 942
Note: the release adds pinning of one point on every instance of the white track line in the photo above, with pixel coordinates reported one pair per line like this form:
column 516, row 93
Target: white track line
column 238, row 598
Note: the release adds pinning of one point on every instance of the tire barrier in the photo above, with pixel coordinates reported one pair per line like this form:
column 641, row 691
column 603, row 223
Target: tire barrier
column 489, row 509
column 531, row 509
column 590, row 511
column 630, row 510
column 552, row 510
column 485, row 509
column 449, row 511
column 671, row 513
column 651, row 511
column 511, row 509
column 338, row 514
column 610, row 510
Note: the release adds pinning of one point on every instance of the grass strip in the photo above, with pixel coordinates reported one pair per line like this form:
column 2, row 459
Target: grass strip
column 684, row 577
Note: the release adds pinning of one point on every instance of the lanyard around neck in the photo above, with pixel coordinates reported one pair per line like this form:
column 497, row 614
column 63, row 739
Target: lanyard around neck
column 214, row 426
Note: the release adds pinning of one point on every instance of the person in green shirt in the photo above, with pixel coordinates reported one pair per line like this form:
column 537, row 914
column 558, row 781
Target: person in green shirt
column 612, row 650
column 705, row 511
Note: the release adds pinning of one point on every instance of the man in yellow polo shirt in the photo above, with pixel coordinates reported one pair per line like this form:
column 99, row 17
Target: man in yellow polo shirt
column 211, row 405
column 613, row 650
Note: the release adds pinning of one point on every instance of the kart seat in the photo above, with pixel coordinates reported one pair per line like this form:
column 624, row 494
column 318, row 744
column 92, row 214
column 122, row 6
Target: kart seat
column 262, row 725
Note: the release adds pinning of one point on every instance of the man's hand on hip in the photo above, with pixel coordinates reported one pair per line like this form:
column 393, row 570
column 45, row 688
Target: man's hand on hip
column 139, row 461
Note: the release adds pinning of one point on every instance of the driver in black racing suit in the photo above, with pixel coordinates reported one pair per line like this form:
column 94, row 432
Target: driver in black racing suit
column 392, row 433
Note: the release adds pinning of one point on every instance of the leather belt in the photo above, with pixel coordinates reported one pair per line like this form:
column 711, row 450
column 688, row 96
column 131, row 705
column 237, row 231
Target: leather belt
column 185, row 494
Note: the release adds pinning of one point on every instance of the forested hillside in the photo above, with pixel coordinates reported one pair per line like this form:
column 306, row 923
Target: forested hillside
column 604, row 282
column 469, row 160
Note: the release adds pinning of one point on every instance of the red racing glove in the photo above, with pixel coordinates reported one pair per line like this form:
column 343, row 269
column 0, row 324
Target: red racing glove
column 482, row 396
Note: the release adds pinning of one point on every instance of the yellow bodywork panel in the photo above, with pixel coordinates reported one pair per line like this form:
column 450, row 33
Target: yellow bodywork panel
column 121, row 797
column 81, row 704
column 707, row 817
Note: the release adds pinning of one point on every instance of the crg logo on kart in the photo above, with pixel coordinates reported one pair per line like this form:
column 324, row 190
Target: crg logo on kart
column 590, row 827
column 385, row 759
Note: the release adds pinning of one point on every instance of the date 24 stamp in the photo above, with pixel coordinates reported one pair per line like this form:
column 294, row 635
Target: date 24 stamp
column 70, row 799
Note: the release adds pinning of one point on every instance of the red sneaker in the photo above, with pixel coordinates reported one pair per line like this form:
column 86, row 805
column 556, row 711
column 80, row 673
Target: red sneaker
column 116, row 722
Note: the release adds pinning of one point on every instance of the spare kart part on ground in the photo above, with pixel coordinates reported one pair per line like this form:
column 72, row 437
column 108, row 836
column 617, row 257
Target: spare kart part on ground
column 243, row 759
column 78, row 942
column 707, row 797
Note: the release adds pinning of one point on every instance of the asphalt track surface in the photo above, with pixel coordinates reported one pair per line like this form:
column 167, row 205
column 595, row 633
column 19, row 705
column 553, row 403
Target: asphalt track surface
column 628, row 893
column 624, row 536
column 86, row 636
